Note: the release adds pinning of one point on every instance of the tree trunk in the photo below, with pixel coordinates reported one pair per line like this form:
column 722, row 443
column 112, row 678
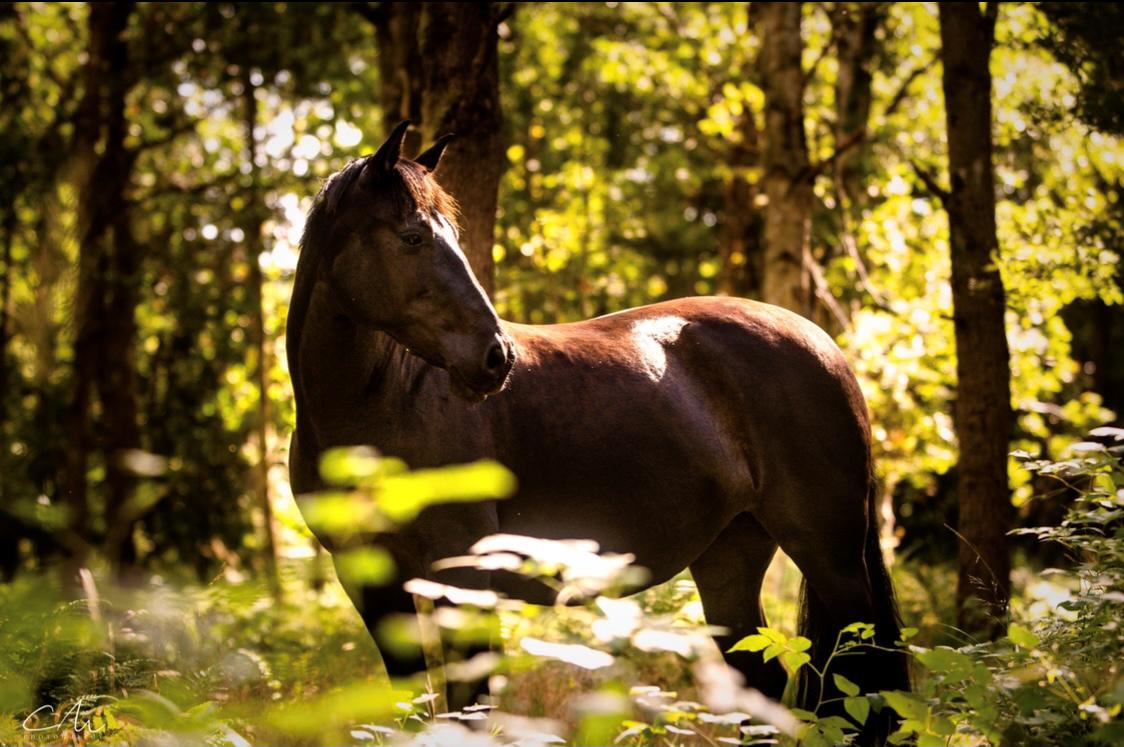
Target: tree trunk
column 461, row 95
column 983, row 404
column 739, row 245
column 439, row 67
column 786, row 279
column 853, row 26
column 400, row 66
column 9, row 533
column 254, row 221
column 105, row 325
column 7, row 278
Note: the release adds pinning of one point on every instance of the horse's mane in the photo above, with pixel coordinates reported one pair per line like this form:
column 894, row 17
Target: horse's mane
column 411, row 187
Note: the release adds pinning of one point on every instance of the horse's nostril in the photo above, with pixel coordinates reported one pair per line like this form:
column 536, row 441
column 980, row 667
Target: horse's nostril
column 496, row 357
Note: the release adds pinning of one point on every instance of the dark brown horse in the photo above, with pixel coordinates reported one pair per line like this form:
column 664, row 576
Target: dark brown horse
column 701, row 433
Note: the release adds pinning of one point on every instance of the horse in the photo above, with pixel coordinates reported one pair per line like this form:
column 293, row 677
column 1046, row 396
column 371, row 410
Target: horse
column 699, row 433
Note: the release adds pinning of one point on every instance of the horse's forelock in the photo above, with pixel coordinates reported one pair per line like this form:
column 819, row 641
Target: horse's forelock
column 426, row 193
column 416, row 189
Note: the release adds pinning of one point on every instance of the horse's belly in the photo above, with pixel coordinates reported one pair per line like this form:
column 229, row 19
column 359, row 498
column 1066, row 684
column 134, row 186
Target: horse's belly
column 665, row 521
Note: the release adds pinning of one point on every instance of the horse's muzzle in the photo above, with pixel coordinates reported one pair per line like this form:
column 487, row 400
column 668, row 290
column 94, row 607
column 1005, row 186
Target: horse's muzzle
column 490, row 375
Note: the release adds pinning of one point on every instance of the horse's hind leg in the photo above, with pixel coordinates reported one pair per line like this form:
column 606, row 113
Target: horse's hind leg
column 729, row 575
column 827, row 528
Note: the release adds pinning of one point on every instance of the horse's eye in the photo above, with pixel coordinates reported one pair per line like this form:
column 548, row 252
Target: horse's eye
column 412, row 239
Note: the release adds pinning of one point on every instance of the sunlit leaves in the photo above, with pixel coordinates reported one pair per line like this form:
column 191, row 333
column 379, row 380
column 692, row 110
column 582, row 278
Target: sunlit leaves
column 858, row 708
column 335, row 711
column 1021, row 636
column 773, row 643
column 845, row 685
column 388, row 494
column 362, row 566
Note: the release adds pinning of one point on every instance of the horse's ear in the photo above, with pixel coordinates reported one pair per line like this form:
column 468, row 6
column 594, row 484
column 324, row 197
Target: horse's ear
column 386, row 157
column 432, row 157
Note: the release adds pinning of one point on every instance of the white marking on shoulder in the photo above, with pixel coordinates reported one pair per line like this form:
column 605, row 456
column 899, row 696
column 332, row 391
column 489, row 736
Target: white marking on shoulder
column 651, row 337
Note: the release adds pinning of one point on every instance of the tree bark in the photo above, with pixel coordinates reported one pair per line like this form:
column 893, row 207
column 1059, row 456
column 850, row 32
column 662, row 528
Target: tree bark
column 439, row 67
column 853, row 27
column 105, row 325
column 9, row 534
column 983, row 404
column 400, row 66
column 786, row 279
column 461, row 95
column 9, row 228
column 254, row 221
column 739, row 245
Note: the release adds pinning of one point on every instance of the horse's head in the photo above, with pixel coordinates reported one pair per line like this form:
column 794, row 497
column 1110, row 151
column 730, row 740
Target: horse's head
column 396, row 266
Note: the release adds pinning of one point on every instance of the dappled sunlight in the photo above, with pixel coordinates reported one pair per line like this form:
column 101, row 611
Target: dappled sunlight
column 175, row 568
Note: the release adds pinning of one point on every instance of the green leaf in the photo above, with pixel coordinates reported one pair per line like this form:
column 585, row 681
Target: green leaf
column 945, row 660
column 773, row 635
column 753, row 643
column 832, row 732
column 341, row 514
column 943, row 726
column 799, row 643
column 845, row 685
column 1022, row 637
column 346, row 466
column 861, row 630
column 371, row 566
column 402, row 497
column 857, row 708
column 906, row 705
column 793, row 660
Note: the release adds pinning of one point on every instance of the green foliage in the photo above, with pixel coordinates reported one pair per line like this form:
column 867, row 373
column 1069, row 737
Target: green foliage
column 627, row 126
column 227, row 659
column 387, row 494
column 1050, row 681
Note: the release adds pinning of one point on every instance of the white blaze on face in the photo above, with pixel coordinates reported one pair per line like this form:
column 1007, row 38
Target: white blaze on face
column 651, row 337
column 443, row 230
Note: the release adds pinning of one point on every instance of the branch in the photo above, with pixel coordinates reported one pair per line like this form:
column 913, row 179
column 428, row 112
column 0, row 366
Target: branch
column 823, row 292
column 172, row 187
column 25, row 37
column 903, row 89
column 855, row 138
column 930, row 183
column 505, row 12
column 827, row 47
column 172, row 134
column 373, row 14
column 850, row 245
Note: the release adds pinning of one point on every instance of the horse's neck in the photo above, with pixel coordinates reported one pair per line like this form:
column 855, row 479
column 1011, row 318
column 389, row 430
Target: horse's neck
column 346, row 371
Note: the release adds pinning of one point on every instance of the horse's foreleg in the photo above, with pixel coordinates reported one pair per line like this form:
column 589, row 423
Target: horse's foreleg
column 389, row 613
column 729, row 575
column 444, row 532
column 466, row 647
column 393, row 618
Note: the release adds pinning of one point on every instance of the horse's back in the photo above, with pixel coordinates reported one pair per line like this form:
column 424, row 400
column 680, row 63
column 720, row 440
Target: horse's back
column 739, row 317
column 755, row 341
column 692, row 409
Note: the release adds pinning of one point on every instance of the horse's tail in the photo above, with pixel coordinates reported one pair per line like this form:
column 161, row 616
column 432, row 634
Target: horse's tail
column 875, row 670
